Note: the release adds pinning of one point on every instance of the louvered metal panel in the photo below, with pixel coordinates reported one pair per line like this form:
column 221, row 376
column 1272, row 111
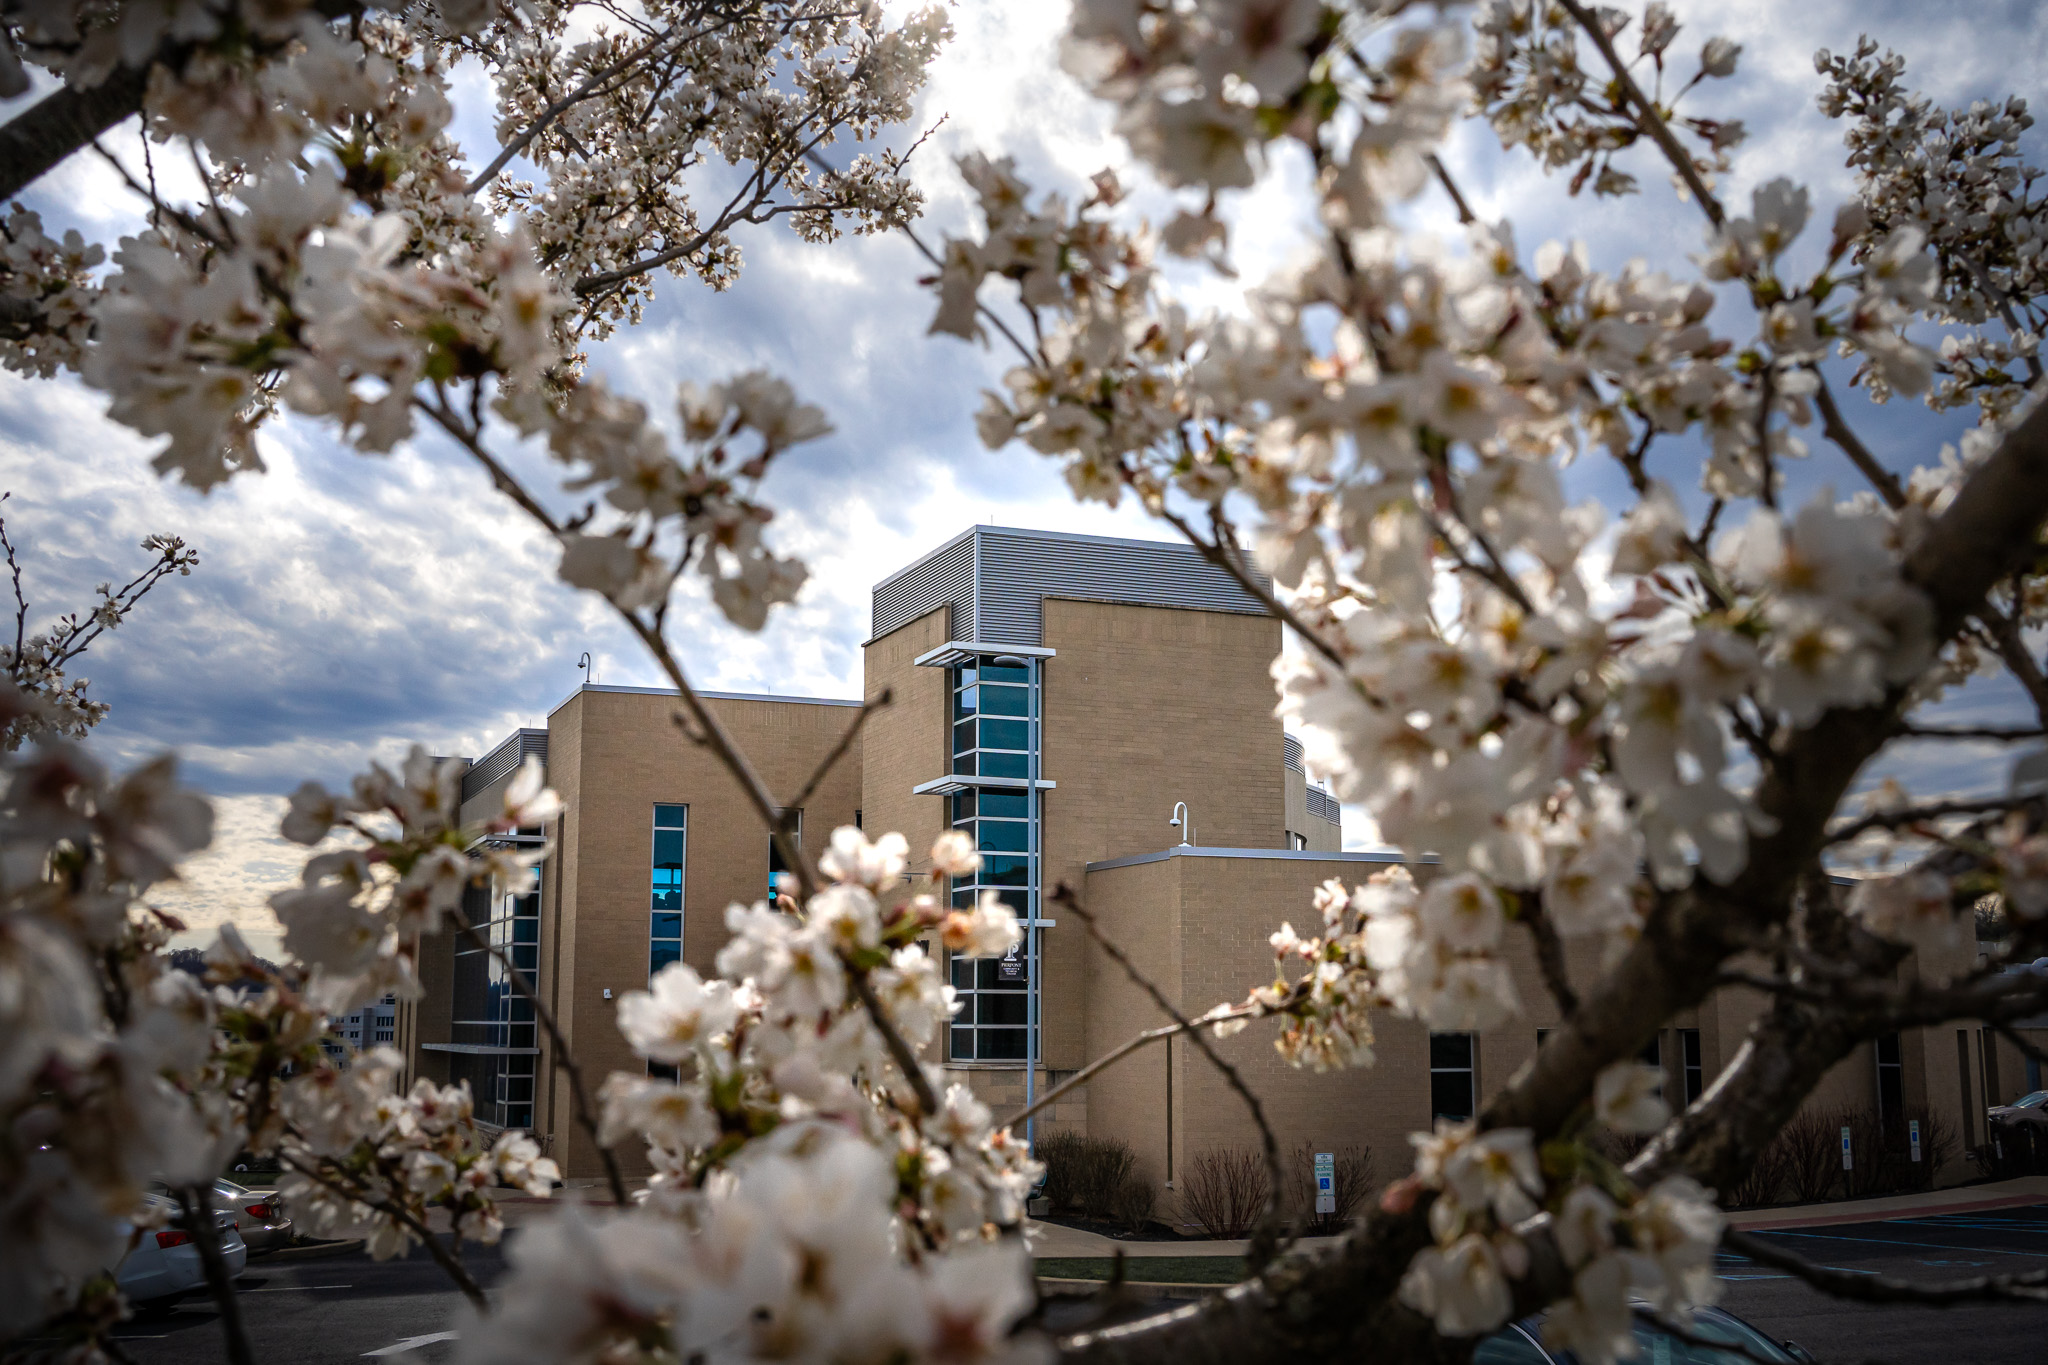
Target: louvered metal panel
column 1327, row 806
column 944, row 578
column 997, row 579
column 1291, row 752
column 509, row 754
column 1018, row 570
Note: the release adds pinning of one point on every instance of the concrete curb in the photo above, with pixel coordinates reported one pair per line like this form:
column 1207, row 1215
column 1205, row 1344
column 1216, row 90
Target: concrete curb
column 1818, row 1216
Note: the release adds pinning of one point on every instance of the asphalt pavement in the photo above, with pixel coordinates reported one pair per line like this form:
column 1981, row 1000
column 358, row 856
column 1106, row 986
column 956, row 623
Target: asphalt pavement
column 338, row 1307
column 1945, row 1247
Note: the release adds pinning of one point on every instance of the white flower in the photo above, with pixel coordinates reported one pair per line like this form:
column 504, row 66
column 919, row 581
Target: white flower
column 1496, row 1170
column 1461, row 1287
column 990, row 929
column 1717, row 58
column 1597, row 1323
column 1676, row 1225
column 851, row 858
column 953, row 854
column 1462, row 913
column 678, row 1014
column 1628, row 1097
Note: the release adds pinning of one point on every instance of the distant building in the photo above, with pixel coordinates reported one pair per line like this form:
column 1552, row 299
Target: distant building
column 1060, row 697
column 371, row 1026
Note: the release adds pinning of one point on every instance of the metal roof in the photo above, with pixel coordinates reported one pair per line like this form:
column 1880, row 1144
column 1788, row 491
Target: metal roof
column 996, row 580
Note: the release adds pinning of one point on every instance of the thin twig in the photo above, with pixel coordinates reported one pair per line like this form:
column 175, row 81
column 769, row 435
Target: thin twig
column 579, row 1093
column 1868, row 1288
column 1836, row 428
column 1549, row 952
column 1443, row 177
column 1264, row 1243
column 2000, row 732
column 718, row 739
column 1647, row 117
column 443, row 1257
column 2009, row 643
column 1109, row 1059
column 1913, row 815
column 831, row 760
column 1223, row 559
column 197, row 1203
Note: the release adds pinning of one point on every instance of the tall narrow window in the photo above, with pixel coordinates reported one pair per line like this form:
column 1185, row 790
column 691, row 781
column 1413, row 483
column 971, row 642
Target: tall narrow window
column 665, row 886
column 992, row 992
column 779, row 871
column 1453, row 1088
column 1891, row 1080
column 490, row 1018
column 1695, row 1066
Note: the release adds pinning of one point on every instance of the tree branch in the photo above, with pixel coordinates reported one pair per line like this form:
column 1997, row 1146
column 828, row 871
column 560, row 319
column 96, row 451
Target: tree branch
column 1998, row 732
column 579, row 1093
column 196, row 1201
column 1549, row 952
column 63, row 122
column 1109, row 1059
column 443, row 1257
column 831, row 760
column 1837, row 429
column 1866, row 1288
column 1913, row 815
column 1264, row 1243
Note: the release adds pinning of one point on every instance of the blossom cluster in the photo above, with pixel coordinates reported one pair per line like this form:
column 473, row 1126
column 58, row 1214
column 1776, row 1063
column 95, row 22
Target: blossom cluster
column 783, row 1036
column 1622, row 1247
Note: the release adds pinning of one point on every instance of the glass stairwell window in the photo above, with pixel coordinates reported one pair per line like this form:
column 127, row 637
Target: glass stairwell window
column 991, row 721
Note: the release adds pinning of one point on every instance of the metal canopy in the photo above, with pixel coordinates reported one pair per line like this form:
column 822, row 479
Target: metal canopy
column 954, row 653
column 480, row 1049
column 961, row 782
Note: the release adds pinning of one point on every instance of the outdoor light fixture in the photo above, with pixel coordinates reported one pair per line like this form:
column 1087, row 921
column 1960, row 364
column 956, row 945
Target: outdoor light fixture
column 1009, row 661
column 1182, row 821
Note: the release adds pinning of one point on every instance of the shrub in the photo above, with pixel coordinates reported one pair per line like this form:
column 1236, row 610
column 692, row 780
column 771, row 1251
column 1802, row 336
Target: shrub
column 1060, row 1150
column 1765, row 1183
column 1354, row 1180
column 1095, row 1178
column 1225, row 1189
column 1813, row 1156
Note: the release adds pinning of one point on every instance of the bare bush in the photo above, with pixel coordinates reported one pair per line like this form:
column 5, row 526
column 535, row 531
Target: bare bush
column 1060, row 1150
column 1813, row 1161
column 1095, row 1178
column 1354, row 1179
column 1225, row 1189
column 1767, row 1178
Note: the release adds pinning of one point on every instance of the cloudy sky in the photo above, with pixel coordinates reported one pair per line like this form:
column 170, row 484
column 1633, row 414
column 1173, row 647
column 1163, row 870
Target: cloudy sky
column 347, row 607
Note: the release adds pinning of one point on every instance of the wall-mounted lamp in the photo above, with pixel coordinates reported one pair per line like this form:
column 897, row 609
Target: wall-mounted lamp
column 1010, row 661
column 1182, row 821
column 588, row 665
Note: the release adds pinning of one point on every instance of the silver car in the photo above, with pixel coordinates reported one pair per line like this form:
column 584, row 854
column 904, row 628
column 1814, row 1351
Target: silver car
column 259, row 1215
column 163, row 1261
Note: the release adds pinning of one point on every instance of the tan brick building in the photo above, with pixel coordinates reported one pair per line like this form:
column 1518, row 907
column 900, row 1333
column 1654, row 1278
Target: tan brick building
column 1063, row 697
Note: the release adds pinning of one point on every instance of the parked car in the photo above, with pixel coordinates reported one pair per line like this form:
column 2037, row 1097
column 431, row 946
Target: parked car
column 164, row 1262
column 1521, row 1343
column 260, row 1215
column 2019, row 1135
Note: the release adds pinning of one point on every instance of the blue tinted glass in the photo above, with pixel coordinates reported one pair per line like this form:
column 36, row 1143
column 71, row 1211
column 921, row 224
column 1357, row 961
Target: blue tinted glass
column 667, row 926
column 661, row 954
column 963, row 805
column 1003, row 872
column 669, row 817
column 525, row 954
column 522, row 1035
column 1004, row 803
column 667, row 900
column 963, row 737
column 1005, row 734
column 998, row 673
column 964, row 899
column 1004, row 765
column 1003, row 701
column 963, row 763
column 963, row 703
column 668, row 846
column 1007, row 835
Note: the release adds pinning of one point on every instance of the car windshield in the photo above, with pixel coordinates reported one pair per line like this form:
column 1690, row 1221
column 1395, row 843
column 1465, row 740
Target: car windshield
column 1741, row 1344
column 2031, row 1101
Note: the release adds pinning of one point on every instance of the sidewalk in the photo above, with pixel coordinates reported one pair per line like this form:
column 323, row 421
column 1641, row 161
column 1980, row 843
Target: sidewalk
column 1999, row 1194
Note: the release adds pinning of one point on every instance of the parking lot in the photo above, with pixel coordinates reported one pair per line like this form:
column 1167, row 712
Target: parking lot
column 334, row 1308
